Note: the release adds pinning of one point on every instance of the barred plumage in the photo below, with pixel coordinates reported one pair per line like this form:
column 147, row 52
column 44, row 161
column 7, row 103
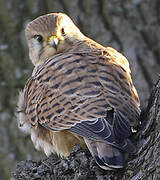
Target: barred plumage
column 80, row 92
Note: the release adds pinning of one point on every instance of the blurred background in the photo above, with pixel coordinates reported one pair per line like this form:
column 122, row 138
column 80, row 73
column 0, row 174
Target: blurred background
column 130, row 26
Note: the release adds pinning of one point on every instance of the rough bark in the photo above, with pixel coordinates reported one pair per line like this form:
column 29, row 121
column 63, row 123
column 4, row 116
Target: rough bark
column 81, row 166
column 130, row 26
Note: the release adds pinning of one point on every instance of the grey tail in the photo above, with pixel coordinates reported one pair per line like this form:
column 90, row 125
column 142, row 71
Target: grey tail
column 106, row 156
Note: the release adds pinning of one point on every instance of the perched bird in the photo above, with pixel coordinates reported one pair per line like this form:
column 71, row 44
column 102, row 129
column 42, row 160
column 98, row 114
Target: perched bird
column 79, row 93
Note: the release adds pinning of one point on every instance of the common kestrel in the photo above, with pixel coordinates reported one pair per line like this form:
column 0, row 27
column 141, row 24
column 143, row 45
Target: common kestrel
column 79, row 92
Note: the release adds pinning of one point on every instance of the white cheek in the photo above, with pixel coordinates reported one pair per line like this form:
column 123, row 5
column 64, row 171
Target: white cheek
column 35, row 49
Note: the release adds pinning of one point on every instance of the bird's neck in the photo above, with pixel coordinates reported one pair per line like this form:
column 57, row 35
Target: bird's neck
column 85, row 45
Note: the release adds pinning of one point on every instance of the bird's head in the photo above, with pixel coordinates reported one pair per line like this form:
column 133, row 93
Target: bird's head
column 49, row 35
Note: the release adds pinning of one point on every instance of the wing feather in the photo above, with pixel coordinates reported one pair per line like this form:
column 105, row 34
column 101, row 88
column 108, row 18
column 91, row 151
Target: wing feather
column 74, row 91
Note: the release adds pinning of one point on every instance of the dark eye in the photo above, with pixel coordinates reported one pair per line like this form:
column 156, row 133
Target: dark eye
column 62, row 31
column 38, row 37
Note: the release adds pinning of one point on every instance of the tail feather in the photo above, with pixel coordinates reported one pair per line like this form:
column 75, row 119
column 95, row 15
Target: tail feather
column 106, row 156
column 115, row 159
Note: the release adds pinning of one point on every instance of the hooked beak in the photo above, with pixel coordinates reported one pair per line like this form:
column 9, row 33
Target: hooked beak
column 53, row 41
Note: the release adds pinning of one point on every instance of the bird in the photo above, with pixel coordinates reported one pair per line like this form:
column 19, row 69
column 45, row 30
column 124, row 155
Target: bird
column 80, row 92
